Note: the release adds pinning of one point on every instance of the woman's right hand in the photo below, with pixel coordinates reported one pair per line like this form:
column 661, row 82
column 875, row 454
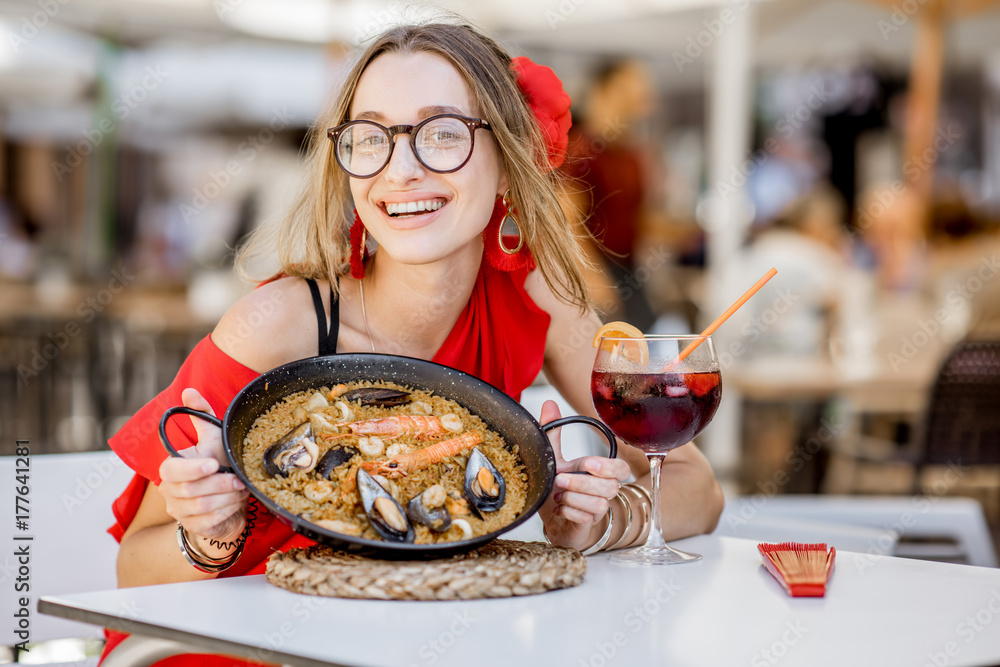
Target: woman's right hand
column 207, row 503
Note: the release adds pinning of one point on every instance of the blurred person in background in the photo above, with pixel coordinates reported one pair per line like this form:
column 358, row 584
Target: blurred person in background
column 608, row 198
column 807, row 242
column 890, row 220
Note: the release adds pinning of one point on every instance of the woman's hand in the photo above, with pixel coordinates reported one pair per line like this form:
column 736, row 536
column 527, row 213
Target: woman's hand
column 573, row 514
column 207, row 503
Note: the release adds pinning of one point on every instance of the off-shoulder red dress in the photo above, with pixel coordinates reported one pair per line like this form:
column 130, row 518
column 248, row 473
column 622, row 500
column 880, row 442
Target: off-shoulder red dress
column 499, row 337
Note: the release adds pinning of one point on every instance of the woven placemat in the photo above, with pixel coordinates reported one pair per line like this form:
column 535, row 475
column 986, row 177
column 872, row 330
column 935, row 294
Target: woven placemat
column 501, row 568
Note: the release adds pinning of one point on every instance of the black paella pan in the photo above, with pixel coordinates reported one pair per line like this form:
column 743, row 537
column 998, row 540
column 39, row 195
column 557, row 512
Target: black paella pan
column 499, row 411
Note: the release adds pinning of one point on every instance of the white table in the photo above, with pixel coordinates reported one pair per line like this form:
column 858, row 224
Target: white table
column 724, row 610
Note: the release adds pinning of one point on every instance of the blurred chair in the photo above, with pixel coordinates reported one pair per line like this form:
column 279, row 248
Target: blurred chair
column 963, row 417
column 959, row 427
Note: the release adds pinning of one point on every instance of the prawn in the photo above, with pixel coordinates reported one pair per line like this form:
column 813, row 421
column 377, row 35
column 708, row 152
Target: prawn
column 393, row 427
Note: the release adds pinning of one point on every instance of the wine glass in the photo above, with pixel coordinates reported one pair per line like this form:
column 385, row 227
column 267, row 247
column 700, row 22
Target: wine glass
column 657, row 403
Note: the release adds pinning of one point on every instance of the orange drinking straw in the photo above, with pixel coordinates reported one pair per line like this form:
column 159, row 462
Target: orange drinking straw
column 722, row 318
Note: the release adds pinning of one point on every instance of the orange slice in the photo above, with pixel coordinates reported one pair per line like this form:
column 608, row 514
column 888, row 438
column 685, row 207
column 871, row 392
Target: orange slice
column 636, row 351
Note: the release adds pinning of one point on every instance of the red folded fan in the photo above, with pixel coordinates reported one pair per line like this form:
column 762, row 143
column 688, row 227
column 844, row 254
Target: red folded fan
column 803, row 569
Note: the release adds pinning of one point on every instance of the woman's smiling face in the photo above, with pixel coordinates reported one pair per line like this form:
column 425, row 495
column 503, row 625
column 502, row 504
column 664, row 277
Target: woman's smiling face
column 404, row 89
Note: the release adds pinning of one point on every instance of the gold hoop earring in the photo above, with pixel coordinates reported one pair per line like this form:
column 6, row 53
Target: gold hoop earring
column 509, row 215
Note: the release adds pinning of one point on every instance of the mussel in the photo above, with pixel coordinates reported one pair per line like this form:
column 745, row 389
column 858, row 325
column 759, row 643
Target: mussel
column 428, row 508
column 333, row 459
column 379, row 396
column 385, row 514
column 296, row 450
column 485, row 487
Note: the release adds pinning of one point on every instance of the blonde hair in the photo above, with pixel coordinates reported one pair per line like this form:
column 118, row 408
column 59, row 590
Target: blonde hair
column 313, row 241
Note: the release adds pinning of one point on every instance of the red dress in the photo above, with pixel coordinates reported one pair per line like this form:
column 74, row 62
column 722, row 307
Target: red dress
column 499, row 337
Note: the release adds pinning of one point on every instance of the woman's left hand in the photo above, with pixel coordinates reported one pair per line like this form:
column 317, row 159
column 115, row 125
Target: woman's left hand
column 573, row 514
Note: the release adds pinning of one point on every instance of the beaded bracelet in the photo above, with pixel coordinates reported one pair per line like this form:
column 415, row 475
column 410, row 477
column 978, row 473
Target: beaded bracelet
column 205, row 563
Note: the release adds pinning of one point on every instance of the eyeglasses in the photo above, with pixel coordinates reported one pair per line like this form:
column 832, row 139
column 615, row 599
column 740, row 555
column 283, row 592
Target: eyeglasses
column 442, row 143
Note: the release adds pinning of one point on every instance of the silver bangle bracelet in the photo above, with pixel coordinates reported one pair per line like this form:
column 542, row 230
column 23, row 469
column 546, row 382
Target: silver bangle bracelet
column 628, row 521
column 200, row 561
column 605, row 537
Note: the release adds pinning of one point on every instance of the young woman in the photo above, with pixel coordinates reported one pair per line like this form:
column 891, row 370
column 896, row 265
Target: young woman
column 452, row 128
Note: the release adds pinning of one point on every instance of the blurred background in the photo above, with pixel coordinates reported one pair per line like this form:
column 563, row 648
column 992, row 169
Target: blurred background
column 853, row 144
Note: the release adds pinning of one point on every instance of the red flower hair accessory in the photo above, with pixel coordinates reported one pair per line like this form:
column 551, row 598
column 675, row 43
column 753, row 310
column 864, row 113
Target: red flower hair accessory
column 549, row 103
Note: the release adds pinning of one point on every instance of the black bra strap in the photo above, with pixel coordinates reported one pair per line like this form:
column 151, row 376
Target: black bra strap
column 327, row 341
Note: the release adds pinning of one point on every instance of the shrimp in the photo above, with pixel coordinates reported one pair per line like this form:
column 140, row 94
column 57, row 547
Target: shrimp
column 393, row 427
column 418, row 459
column 403, row 464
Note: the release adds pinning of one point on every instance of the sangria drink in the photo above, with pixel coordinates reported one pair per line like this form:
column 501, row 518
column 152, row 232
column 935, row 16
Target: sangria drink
column 656, row 402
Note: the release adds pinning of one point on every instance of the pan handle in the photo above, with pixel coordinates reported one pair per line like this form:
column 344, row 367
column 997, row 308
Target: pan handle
column 181, row 410
column 590, row 421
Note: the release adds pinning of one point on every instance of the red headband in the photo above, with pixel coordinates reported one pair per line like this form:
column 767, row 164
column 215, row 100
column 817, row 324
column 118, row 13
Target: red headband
column 550, row 104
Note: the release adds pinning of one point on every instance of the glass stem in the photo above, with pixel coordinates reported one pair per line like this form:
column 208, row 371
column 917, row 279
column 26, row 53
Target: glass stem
column 655, row 539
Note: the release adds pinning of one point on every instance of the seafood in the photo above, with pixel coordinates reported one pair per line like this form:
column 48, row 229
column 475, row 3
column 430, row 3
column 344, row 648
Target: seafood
column 384, row 473
column 333, row 459
column 338, row 526
column 380, row 396
column 418, row 459
column 393, row 427
column 315, row 402
column 321, row 423
column 465, row 527
column 373, row 446
column 318, row 490
column 484, row 486
column 385, row 514
column 456, row 504
column 428, row 508
column 296, row 450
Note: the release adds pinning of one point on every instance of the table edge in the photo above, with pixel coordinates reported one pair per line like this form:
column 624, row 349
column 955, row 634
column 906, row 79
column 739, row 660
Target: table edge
column 53, row 607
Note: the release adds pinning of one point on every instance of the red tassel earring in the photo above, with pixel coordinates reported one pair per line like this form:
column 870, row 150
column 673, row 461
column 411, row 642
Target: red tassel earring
column 503, row 256
column 359, row 253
